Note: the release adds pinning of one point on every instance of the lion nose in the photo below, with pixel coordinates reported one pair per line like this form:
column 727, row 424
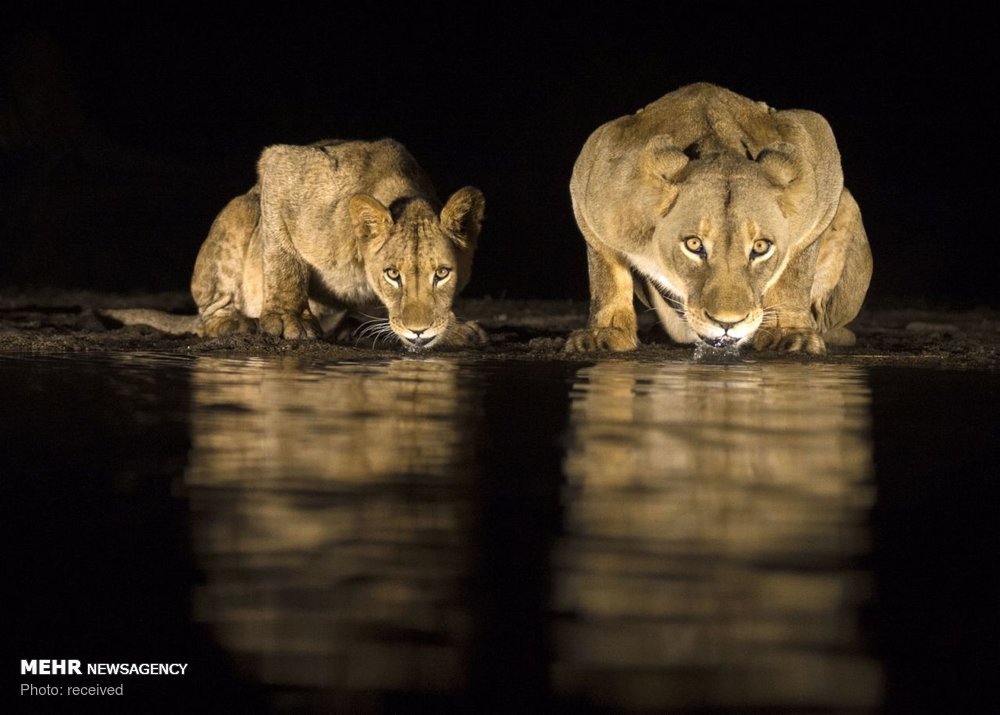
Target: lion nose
column 725, row 324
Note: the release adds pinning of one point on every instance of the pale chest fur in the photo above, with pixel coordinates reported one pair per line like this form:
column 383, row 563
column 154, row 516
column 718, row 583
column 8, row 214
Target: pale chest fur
column 342, row 283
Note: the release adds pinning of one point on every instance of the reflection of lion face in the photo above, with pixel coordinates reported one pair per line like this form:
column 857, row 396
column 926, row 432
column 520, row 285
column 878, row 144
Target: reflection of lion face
column 417, row 261
column 722, row 244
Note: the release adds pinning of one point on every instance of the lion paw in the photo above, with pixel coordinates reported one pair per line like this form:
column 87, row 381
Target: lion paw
column 593, row 339
column 790, row 340
column 461, row 334
column 220, row 325
column 290, row 326
column 843, row 337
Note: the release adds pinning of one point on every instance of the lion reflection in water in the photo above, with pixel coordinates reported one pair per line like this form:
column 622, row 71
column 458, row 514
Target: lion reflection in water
column 713, row 516
column 329, row 514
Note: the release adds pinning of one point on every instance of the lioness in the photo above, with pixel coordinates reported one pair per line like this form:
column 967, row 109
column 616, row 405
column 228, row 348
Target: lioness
column 330, row 226
column 734, row 217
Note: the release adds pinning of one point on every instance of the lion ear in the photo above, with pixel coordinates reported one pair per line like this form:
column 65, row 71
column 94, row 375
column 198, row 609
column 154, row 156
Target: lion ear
column 371, row 220
column 662, row 159
column 462, row 216
column 778, row 163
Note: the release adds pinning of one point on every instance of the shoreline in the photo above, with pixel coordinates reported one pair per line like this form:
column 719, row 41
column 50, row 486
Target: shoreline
column 53, row 321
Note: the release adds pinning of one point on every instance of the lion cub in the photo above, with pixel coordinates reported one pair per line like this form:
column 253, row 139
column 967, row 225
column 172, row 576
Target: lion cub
column 328, row 227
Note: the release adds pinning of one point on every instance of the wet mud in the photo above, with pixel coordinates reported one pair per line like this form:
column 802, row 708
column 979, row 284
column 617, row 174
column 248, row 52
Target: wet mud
column 45, row 321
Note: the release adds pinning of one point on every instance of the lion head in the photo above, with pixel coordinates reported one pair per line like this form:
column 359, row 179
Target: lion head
column 725, row 231
column 417, row 260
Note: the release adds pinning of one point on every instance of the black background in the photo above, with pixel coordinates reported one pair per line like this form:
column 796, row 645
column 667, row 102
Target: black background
column 126, row 128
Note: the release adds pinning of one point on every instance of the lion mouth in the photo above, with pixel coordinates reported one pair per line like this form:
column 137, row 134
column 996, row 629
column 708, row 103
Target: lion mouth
column 723, row 341
column 419, row 343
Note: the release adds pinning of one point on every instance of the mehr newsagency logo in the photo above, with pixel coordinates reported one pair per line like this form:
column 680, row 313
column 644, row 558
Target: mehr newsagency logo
column 76, row 667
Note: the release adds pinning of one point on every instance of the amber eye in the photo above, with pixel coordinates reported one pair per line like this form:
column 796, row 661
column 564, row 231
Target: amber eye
column 392, row 275
column 760, row 247
column 695, row 245
column 441, row 275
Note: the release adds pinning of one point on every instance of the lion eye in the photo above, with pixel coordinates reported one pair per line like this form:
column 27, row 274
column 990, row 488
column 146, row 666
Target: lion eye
column 392, row 275
column 695, row 245
column 441, row 275
column 760, row 247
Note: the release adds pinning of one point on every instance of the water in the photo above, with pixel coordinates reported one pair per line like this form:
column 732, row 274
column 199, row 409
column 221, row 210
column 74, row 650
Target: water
column 428, row 534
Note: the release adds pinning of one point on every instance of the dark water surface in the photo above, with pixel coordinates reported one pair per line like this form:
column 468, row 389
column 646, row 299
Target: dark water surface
column 439, row 535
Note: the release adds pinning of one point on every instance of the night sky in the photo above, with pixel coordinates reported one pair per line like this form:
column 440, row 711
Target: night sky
column 123, row 133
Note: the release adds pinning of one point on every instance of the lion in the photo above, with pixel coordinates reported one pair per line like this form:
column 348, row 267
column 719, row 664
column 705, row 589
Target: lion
column 733, row 218
column 328, row 227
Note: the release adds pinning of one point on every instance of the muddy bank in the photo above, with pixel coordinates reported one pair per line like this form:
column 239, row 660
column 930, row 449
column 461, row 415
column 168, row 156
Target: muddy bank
column 61, row 321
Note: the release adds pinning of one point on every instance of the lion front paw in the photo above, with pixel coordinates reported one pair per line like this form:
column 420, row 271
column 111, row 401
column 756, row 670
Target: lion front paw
column 789, row 340
column 842, row 337
column 592, row 339
column 461, row 334
column 290, row 326
column 222, row 324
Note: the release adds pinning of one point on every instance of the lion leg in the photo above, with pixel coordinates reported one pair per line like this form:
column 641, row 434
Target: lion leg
column 837, row 269
column 789, row 326
column 217, row 280
column 285, row 310
column 843, row 273
column 612, row 323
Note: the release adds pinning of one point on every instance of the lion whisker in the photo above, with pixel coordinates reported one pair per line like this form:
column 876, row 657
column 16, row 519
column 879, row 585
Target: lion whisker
column 374, row 329
column 370, row 326
column 388, row 334
column 669, row 298
column 769, row 317
column 674, row 303
column 379, row 331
